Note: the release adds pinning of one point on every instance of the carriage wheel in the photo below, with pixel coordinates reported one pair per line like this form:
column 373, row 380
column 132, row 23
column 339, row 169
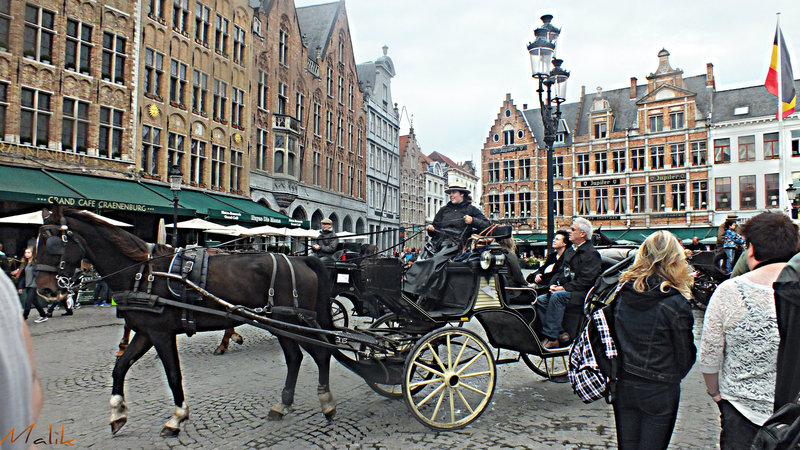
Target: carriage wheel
column 339, row 314
column 393, row 391
column 548, row 366
column 449, row 378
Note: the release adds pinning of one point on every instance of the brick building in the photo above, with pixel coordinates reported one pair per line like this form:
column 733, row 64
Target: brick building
column 412, row 189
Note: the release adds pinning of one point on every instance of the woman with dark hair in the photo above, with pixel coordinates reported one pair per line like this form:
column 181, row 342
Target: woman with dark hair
column 27, row 286
column 739, row 344
column 653, row 327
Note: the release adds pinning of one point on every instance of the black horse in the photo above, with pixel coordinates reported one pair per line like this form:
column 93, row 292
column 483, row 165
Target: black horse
column 240, row 279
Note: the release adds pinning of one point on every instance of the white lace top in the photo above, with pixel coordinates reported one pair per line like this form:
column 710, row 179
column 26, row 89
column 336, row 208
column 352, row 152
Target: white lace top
column 740, row 341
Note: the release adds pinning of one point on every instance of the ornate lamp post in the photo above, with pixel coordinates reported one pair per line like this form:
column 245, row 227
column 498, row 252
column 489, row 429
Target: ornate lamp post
column 552, row 93
column 175, row 180
column 791, row 192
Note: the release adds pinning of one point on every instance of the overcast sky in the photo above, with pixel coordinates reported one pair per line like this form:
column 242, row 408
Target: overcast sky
column 456, row 60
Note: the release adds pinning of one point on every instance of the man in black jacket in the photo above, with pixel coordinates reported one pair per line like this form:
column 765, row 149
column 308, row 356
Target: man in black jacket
column 552, row 265
column 581, row 268
column 325, row 244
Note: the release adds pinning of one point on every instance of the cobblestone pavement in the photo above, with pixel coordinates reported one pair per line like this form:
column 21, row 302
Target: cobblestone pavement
column 229, row 397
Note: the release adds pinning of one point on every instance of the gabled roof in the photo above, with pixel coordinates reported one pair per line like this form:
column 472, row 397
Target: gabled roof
column 653, row 96
column 758, row 101
column 316, row 24
column 366, row 76
column 534, row 119
column 436, row 156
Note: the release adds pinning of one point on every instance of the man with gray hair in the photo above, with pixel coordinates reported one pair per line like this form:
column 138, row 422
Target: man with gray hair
column 581, row 268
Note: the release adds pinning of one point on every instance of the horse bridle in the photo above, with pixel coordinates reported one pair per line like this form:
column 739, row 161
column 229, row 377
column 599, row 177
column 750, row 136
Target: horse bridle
column 56, row 239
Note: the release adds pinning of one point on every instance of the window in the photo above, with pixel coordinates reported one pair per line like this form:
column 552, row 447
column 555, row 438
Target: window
column 341, row 90
column 110, row 145
column 656, row 123
column 747, row 192
column 3, row 107
column 153, row 71
column 620, row 200
column 341, row 51
column 78, row 51
column 350, row 97
column 317, row 118
column 618, row 161
column 177, row 82
column 350, row 137
column 583, row 164
column 494, row 172
column 199, row 92
column 262, row 147
column 113, row 66
column 360, row 187
column 155, row 8
column 180, row 15
column 722, row 191
column 238, row 44
column 360, row 140
column 638, row 198
column 558, row 167
column 340, row 177
column 35, row 114
column 558, row 207
column 330, row 82
column 263, row 89
column 658, row 197
column 657, row 157
column 494, row 203
column 151, row 149
column 197, row 163
column 525, row 168
column 795, row 142
column 316, row 169
column 508, row 171
column 583, row 201
column 771, row 146
column 771, row 189
column 509, row 208
column 202, row 23
column 237, row 107
column 175, row 149
column 5, row 21
column 600, row 130
column 699, row 153
column 508, row 137
column 600, row 163
column 350, row 180
column 699, row 195
column 279, row 158
column 221, row 34
column 74, row 125
column 339, row 132
column 236, row 170
column 300, row 108
column 217, row 165
column 601, row 200
column 678, row 196
column 676, row 120
column 329, row 126
column 722, row 150
column 525, row 205
column 283, row 46
column 637, row 159
column 677, row 153
column 38, row 38
column 220, row 97
column 747, row 148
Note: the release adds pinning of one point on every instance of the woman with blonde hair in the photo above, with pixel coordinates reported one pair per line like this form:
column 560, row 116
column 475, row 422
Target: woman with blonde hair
column 653, row 331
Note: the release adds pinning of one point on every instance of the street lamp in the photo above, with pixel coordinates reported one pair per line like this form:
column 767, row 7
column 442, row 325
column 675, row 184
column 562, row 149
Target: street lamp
column 553, row 81
column 175, row 179
column 791, row 192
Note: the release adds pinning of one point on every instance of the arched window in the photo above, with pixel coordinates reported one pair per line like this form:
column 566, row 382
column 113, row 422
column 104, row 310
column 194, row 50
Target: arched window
column 278, row 161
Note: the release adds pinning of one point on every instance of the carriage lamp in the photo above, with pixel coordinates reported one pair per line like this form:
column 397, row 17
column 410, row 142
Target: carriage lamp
column 491, row 258
column 175, row 179
column 552, row 79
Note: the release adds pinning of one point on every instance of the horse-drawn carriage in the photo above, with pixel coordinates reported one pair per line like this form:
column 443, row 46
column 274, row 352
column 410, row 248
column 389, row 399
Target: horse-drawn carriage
column 419, row 351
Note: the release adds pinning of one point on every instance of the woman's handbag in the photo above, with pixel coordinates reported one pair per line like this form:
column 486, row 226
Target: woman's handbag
column 781, row 430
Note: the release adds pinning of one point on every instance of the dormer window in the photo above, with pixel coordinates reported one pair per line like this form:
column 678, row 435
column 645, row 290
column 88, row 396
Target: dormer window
column 508, row 137
column 600, row 130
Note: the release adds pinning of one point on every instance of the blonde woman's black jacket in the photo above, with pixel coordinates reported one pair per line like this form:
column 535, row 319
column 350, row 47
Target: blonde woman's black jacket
column 653, row 332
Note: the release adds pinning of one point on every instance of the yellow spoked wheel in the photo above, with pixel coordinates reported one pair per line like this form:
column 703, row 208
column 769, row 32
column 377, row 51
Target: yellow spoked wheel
column 548, row 366
column 449, row 378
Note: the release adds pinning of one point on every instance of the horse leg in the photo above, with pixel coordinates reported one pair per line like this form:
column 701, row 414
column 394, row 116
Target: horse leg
column 322, row 357
column 140, row 344
column 236, row 337
column 167, row 349
column 123, row 343
column 293, row 356
column 226, row 340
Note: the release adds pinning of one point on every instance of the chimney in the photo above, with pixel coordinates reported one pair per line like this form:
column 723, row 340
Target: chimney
column 508, row 96
column 524, row 106
column 710, row 75
column 633, row 88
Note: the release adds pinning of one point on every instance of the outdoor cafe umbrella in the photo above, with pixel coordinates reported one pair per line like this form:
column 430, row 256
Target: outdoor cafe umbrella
column 198, row 224
column 266, row 230
column 232, row 230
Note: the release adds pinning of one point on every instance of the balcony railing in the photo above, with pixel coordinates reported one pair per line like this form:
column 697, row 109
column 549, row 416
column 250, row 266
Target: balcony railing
column 312, row 67
column 285, row 122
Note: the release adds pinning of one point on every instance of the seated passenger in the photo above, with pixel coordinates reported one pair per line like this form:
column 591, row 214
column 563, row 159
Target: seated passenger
column 552, row 265
column 514, row 278
column 580, row 270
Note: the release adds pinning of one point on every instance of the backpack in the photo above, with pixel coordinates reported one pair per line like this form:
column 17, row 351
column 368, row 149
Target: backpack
column 593, row 359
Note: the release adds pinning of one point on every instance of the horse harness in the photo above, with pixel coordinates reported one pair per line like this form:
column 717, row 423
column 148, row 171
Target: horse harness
column 56, row 239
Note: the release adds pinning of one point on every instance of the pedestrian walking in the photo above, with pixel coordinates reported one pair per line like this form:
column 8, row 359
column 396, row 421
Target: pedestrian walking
column 27, row 286
column 653, row 326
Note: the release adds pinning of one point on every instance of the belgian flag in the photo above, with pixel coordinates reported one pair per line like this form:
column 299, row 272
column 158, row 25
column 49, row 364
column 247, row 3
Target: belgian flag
column 788, row 94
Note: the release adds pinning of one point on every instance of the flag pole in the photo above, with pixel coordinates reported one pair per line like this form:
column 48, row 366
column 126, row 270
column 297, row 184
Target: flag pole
column 785, row 150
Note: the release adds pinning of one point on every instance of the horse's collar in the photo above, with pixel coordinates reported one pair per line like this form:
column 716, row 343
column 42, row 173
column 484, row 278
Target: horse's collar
column 150, row 248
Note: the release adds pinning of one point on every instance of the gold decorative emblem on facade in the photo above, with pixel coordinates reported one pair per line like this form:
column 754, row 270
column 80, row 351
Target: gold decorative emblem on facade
column 153, row 110
column 237, row 138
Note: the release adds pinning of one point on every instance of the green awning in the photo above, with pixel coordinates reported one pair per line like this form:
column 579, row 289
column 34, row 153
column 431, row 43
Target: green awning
column 532, row 238
column 80, row 191
column 613, row 234
column 258, row 212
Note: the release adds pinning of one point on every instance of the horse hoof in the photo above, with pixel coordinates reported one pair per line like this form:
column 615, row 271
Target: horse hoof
column 219, row 350
column 117, row 425
column 274, row 415
column 237, row 338
column 170, row 432
column 330, row 415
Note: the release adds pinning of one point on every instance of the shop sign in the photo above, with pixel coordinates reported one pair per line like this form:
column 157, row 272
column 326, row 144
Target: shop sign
column 87, row 203
column 612, row 182
column 508, row 149
column 676, row 176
